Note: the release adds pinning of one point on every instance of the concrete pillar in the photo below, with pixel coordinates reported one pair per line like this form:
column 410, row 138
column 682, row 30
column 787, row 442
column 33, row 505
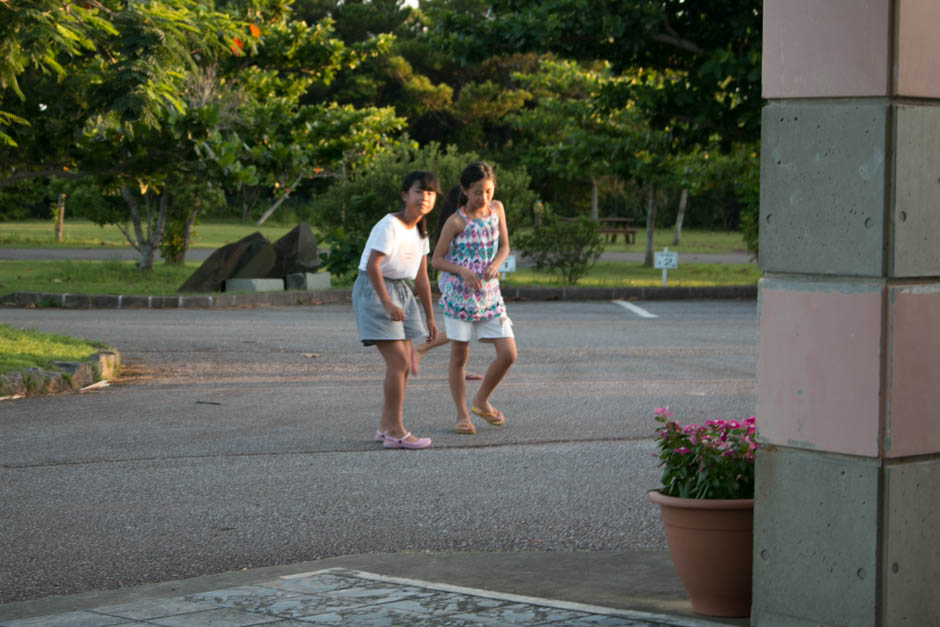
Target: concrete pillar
column 848, row 483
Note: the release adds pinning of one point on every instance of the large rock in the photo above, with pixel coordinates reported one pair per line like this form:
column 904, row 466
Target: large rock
column 251, row 257
column 296, row 252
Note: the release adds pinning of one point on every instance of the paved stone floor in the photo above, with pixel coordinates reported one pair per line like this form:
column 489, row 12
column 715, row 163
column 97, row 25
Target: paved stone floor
column 341, row 596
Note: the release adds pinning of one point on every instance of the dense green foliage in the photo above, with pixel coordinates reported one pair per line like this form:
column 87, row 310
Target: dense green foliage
column 356, row 204
column 152, row 114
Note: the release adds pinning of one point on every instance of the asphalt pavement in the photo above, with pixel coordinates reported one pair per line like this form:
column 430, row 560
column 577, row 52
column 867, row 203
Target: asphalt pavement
column 235, row 450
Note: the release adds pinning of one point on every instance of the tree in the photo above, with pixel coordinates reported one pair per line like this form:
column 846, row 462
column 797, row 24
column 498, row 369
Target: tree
column 173, row 96
column 570, row 137
column 116, row 62
column 702, row 58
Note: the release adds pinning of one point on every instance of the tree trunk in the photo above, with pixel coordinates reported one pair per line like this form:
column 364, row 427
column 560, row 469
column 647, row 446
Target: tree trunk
column 146, row 245
column 680, row 215
column 594, row 212
column 59, row 218
column 650, row 223
column 272, row 208
column 188, row 229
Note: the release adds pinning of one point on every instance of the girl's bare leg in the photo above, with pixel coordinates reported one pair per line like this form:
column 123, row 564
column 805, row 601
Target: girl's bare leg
column 459, row 352
column 421, row 349
column 397, row 355
column 505, row 357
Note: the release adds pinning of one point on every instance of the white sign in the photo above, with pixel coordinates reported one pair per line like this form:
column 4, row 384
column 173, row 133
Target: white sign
column 666, row 260
column 509, row 265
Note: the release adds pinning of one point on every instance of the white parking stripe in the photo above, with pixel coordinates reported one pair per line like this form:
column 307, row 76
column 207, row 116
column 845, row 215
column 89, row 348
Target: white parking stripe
column 637, row 310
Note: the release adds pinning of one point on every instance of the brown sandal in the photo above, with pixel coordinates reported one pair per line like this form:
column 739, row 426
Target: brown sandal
column 496, row 418
column 466, row 428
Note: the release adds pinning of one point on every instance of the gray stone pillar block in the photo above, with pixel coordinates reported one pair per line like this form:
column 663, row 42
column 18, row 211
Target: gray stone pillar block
column 254, row 285
column 308, row 281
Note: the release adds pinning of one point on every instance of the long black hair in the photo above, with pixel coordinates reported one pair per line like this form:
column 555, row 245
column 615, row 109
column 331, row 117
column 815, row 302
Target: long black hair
column 428, row 182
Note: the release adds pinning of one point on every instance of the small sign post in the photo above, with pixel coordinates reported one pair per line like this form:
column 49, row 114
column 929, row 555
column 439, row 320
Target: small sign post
column 667, row 261
column 509, row 265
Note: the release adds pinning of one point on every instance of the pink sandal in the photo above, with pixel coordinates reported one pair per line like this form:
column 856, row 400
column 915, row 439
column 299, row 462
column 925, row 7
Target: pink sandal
column 403, row 442
column 379, row 436
column 472, row 376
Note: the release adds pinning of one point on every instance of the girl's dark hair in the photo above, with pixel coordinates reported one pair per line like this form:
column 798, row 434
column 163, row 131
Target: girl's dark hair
column 456, row 198
column 475, row 172
column 428, row 182
column 451, row 204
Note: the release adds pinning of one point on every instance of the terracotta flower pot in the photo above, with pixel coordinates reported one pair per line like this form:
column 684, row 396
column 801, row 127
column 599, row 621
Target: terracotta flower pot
column 710, row 542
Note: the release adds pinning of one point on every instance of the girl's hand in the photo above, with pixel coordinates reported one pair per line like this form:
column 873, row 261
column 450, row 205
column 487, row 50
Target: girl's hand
column 394, row 311
column 432, row 330
column 491, row 272
column 471, row 279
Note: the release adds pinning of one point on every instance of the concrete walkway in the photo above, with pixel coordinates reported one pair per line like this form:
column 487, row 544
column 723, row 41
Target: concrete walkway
column 547, row 588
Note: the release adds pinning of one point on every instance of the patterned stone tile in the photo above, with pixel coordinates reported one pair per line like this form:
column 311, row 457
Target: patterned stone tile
column 381, row 616
column 445, row 603
column 610, row 621
column 248, row 598
column 313, row 584
column 378, row 592
column 524, row 614
column 309, row 605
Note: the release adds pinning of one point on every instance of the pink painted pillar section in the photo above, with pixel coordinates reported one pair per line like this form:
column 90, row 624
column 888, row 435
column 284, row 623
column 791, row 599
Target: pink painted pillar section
column 848, row 481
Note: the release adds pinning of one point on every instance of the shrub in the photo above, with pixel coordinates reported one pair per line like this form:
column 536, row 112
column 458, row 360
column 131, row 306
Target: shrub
column 342, row 262
column 567, row 248
column 358, row 203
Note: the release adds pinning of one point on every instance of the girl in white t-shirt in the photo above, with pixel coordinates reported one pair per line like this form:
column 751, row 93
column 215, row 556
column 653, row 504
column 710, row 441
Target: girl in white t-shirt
column 387, row 313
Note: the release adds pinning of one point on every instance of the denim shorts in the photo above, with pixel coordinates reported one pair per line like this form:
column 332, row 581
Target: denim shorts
column 372, row 320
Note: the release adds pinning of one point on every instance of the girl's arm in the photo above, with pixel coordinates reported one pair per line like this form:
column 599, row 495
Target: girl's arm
column 378, row 284
column 492, row 270
column 423, row 287
column 452, row 227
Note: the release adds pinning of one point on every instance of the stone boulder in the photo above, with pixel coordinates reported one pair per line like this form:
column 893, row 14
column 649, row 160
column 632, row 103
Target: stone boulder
column 296, row 252
column 251, row 257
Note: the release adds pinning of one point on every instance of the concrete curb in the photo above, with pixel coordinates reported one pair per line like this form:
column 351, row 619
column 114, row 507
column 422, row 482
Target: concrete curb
column 339, row 296
column 63, row 376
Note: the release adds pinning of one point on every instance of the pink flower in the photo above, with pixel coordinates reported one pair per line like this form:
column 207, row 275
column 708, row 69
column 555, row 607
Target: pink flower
column 662, row 411
column 683, row 450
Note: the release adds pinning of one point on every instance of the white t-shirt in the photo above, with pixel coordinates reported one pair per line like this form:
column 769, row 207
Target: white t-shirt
column 403, row 248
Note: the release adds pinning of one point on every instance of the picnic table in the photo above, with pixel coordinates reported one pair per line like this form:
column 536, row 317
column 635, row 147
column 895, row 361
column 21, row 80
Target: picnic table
column 612, row 227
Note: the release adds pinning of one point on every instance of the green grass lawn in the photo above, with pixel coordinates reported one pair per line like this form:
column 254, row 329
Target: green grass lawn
column 692, row 241
column 122, row 277
column 91, row 277
column 634, row 274
column 85, row 234
column 20, row 349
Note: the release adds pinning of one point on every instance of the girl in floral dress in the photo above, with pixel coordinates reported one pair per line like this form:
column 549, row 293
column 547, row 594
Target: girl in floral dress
column 472, row 246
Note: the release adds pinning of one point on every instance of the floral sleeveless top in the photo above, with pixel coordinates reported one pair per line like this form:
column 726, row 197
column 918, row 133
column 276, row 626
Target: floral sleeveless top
column 474, row 248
